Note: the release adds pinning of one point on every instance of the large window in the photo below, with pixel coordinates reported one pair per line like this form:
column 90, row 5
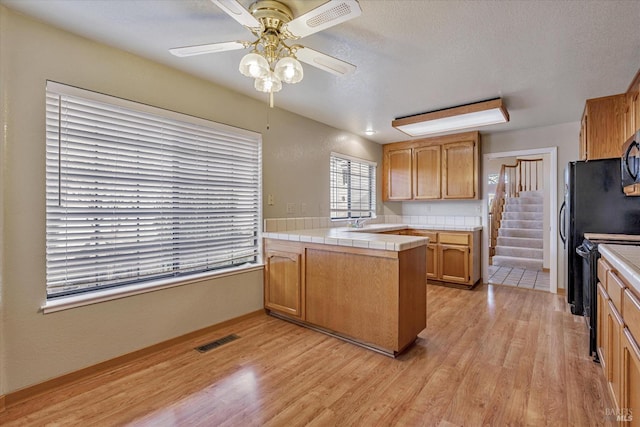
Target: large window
column 352, row 187
column 136, row 194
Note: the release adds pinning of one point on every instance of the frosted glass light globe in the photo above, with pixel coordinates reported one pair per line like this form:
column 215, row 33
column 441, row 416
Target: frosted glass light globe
column 254, row 65
column 269, row 83
column 289, row 70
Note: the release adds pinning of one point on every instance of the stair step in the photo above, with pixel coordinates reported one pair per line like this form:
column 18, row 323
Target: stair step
column 520, row 232
column 523, row 200
column 528, row 224
column 514, row 251
column 537, row 193
column 524, row 208
column 538, row 216
column 522, row 242
column 514, row 262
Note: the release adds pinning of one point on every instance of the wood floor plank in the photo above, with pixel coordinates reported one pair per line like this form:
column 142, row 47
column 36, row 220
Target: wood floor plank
column 495, row 355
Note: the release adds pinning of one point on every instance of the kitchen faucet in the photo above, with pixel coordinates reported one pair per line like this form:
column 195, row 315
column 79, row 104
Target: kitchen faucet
column 359, row 222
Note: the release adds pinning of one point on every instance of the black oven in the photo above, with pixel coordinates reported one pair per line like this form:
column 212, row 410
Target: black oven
column 588, row 251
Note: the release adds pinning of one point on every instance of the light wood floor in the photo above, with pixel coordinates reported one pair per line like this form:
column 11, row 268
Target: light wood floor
column 493, row 356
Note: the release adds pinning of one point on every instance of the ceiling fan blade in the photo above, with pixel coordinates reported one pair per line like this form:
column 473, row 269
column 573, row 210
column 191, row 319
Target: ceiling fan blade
column 235, row 10
column 322, row 17
column 206, row 48
column 324, row 62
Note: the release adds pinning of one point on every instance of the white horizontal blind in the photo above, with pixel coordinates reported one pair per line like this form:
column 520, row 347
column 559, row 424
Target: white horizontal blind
column 135, row 193
column 352, row 187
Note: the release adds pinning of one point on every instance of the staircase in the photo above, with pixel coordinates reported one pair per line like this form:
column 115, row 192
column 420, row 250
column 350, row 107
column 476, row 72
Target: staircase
column 520, row 236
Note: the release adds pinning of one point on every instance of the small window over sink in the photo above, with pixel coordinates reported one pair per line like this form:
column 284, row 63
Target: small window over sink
column 352, row 187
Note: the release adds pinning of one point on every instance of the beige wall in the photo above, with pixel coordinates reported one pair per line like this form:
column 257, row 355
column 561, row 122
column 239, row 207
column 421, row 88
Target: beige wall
column 35, row 347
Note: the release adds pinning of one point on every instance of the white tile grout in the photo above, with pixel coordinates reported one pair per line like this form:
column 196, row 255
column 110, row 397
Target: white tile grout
column 528, row 279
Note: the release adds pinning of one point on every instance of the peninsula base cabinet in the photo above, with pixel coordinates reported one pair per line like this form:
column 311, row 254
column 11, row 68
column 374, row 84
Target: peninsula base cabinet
column 375, row 298
column 617, row 337
column 283, row 279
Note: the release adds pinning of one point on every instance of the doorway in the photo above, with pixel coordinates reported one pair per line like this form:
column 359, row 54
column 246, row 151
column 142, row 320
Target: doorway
column 524, row 276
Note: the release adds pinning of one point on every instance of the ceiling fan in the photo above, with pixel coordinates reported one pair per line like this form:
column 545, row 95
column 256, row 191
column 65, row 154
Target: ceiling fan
column 272, row 60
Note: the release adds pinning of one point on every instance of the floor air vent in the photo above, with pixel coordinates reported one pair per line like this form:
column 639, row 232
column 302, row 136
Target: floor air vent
column 217, row 343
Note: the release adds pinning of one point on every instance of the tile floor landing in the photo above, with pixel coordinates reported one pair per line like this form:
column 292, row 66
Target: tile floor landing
column 518, row 277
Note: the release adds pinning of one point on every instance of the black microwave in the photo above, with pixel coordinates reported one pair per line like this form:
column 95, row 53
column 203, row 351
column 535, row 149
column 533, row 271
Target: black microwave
column 630, row 164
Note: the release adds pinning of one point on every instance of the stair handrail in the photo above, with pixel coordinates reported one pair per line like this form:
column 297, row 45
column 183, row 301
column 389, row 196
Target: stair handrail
column 515, row 183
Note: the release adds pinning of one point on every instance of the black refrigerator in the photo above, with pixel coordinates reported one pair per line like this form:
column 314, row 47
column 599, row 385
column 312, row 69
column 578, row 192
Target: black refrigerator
column 594, row 202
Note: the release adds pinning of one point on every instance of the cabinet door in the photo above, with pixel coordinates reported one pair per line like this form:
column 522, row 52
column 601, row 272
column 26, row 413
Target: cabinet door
column 454, row 263
column 398, row 175
column 631, row 114
column 605, row 127
column 432, row 261
column 583, row 138
column 459, row 170
column 614, row 347
column 636, row 109
column 630, row 405
column 601, row 332
column 283, row 282
column 426, row 172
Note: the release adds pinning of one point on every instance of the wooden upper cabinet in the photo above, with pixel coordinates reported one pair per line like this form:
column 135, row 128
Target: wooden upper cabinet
column 632, row 111
column 397, row 174
column 426, row 172
column 459, row 170
column 444, row 167
column 603, row 127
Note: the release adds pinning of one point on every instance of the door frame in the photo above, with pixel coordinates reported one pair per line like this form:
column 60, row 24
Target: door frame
column 553, row 208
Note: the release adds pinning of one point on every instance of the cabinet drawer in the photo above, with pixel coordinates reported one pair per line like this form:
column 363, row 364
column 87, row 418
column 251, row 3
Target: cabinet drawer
column 631, row 313
column 603, row 268
column 432, row 235
column 615, row 287
column 454, row 239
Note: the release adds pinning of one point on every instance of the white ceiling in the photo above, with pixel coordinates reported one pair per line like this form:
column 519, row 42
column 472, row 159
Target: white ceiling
column 543, row 57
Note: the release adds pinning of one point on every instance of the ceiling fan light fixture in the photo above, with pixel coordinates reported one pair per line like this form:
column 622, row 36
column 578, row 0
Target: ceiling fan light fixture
column 450, row 119
column 269, row 83
column 254, row 65
column 289, row 70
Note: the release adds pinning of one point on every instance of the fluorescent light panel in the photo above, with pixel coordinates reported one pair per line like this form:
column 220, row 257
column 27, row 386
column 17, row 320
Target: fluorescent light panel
column 463, row 117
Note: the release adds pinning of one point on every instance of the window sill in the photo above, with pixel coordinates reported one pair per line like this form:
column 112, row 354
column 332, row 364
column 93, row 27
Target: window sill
column 80, row 300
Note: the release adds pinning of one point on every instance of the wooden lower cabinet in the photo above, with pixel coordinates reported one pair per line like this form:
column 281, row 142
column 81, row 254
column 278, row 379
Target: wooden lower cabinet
column 452, row 256
column 615, row 326
column 372, row 297
column 618, row 324
column 432, row 261
column 629, row 409
column 454, row 263
column 601, row 333
column 283, row 279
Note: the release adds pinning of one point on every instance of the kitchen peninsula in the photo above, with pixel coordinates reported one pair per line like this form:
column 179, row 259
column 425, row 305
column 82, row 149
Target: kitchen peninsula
column 362, row 286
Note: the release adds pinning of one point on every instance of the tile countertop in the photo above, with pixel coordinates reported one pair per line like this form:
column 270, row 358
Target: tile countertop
column 626, row 260
column 367, row 237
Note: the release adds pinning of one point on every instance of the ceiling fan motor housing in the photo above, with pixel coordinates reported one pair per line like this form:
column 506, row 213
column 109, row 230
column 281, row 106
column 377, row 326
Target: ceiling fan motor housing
column 271, row 14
